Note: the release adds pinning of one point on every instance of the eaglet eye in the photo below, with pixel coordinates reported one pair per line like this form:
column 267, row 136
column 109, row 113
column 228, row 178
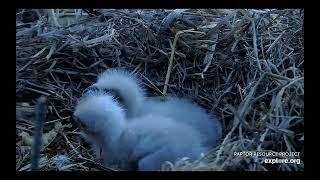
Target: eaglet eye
column 90, row 89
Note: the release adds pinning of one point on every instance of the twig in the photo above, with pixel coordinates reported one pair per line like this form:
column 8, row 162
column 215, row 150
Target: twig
column 37, row 139
column 37, row 91
column 275, row 42
column 26, row 65
column 172, row 55
column 255, row 46
column 71, row 145
column 174, row 15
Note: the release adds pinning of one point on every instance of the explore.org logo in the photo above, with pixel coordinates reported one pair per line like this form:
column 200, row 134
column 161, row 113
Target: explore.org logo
column 277, row 160
column 272, row 157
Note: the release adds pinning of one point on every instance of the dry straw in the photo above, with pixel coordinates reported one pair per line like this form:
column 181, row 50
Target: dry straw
column 244, row 66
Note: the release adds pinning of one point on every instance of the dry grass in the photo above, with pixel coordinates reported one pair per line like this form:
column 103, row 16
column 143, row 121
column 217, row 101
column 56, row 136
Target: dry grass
column 245, row 66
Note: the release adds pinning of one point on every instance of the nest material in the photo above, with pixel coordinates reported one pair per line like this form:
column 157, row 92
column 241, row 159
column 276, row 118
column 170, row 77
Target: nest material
column 244, row 66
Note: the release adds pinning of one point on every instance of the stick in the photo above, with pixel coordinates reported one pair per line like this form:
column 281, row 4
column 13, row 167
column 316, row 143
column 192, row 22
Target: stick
column 36, row 146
